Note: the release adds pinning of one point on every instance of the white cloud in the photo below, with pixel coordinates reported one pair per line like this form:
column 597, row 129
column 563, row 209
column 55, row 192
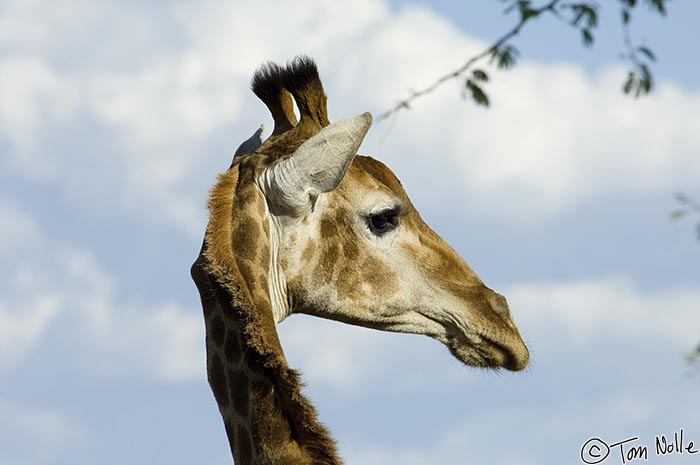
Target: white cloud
column 45, row 285
column 334, row 355
column 48, row 425
column 510, row 432
column 178, row 337
column 553, row 139
column 33, row 96
column 583, row 312
column 555, row 136
column 348, row 360
column 28, row 85
column 21, row 327
column 159, row 112
column 17, row 229
column 596, row 144
column 52, row 430
column 328, row 351
column 164, row 343
column 22, row 321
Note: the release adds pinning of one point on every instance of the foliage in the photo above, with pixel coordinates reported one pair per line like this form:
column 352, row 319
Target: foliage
column 693, row 357
column 582, row 16
column 687, row 207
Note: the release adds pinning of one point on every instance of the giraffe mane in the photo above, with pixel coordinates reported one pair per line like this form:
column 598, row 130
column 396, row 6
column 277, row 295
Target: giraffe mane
column 232, row 269
column 221, row 270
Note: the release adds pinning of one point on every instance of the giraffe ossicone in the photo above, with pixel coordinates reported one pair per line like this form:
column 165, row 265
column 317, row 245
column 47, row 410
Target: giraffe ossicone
column 302, row 224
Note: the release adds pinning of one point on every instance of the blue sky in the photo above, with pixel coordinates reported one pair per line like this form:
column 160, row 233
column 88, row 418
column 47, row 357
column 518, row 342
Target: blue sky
column 116, row 116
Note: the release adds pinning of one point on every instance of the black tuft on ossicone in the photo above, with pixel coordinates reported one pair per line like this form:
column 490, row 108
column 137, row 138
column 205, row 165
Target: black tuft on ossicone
column 300, row 73
column 267, row 84
column 276, row 85
column 267, row 81
column 300, row 77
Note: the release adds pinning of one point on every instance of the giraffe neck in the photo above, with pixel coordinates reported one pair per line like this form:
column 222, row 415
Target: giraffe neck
column 267, row 419
column 245, row 393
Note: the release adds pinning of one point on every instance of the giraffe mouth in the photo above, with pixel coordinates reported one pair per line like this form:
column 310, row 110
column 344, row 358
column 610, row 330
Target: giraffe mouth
column 481, row 351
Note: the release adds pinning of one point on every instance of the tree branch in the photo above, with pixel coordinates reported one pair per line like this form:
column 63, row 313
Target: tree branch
column 525, row 17
column 581, row 15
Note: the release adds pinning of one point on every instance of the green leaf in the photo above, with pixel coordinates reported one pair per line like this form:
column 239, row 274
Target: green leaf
column 527, row 14
column 587, row 37
column 578, row 15
column 678, row 214
column 592, row 17
column 480, row 75
column 585, row 11
column 647, row 53
column 642, row 83
column 646, row 81
column 477, row 93
column 523, row 5
column 505, row 60
column 525, row 11
column 681, row 197
column 693, row 357
column 626, row 16
column 507, row 57
column 658, row 5
column 629, row 83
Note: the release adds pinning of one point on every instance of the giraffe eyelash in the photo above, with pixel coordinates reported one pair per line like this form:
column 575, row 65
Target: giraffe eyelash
column 383, row 221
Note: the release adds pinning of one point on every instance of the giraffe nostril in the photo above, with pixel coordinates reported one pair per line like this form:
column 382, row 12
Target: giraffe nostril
column 500, row 305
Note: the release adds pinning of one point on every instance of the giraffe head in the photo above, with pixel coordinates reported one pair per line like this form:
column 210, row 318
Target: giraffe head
column 347, row 244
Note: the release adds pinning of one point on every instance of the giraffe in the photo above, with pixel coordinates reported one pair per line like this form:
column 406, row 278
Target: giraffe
column 300, row 223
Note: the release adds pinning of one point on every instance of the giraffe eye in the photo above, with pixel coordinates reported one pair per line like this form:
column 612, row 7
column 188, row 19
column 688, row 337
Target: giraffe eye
column 383, row 222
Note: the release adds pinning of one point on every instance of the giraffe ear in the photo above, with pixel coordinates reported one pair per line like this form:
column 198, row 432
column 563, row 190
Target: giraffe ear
column 318, row 165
